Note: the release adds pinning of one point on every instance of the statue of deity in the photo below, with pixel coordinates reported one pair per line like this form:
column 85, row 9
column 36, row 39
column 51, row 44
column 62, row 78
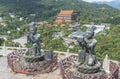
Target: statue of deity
column 87, row 61
column 34, row 38
column 35, row 53
column 88, row 54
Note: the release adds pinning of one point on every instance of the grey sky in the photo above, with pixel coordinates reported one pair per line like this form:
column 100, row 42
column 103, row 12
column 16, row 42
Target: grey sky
column 97, row 0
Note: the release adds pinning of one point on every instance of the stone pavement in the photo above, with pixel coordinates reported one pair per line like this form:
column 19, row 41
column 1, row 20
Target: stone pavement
column 6, row 73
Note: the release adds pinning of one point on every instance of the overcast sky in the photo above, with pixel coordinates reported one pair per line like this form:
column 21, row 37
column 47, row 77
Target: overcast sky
column 97, row 0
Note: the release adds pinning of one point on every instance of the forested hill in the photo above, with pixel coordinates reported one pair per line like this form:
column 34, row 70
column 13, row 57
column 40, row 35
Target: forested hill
column 114, row 3
column 47, row 9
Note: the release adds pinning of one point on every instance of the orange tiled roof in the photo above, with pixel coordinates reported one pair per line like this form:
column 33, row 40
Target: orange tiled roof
column 59, row 21
column 67, row 20
column 66, row 12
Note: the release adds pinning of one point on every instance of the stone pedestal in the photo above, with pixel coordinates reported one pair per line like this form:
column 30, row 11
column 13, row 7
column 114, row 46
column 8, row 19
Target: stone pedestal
column 99, row 75
column 17, row 63
column 89, row 69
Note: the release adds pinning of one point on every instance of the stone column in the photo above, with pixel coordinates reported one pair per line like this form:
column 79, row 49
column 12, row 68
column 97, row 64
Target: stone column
column 68, row 52
column 4, row 50
column 106, row 64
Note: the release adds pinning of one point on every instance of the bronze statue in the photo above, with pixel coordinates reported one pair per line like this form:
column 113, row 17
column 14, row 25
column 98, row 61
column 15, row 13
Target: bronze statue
column 34, row 60
column 87, row 61
column 34, row 38
column 88, row 44
column 35, row 53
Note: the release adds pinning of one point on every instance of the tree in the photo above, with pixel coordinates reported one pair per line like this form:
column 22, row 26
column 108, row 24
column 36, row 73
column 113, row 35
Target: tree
column 1, row 41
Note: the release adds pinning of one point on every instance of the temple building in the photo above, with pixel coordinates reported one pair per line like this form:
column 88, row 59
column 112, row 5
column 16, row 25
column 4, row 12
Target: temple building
column 65, row 16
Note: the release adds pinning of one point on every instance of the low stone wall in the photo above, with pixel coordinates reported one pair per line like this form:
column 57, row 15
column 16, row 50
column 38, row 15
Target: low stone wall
column 67, row 67
column 114, row 70
column 17, row 64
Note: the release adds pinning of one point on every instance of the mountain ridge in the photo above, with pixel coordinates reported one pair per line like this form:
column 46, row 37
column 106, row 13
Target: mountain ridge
column 114, row 4
column 48, row 9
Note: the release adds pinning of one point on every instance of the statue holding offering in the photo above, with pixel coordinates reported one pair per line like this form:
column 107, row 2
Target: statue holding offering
column 34, row 38
column 88, row 44
column 87, row 61
column 34, row 52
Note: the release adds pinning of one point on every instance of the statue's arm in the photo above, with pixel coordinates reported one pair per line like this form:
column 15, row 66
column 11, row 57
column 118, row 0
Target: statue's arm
column 93, row 43
column 28, row 37
column 35, row 39
column 81, row 42
column 38, row 37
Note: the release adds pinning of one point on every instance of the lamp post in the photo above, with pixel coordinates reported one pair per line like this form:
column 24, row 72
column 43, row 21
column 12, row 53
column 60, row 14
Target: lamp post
column 18, row 29
column 68, row 50
column 8, row 36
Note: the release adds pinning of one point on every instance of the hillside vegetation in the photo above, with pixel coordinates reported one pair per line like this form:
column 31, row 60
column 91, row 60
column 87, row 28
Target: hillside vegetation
column 47, row 9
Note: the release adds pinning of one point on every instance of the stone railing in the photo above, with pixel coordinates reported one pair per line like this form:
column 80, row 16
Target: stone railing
column 5, row 50
column 17, row 63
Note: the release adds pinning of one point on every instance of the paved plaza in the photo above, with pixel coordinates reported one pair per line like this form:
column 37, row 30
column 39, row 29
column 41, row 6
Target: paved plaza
column 6, row 73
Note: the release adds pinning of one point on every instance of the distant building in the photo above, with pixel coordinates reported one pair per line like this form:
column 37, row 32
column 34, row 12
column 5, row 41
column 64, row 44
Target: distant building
column 107, row 25
column 3, row 24
column 22, row 40
column 1, row 19
column 12, row 15
column 74, row 27
column 56, row 35
column 65, row 16
column 5, row 37
column 32, row 14
column 99, row 28
column 21, row 18
column 37, row 24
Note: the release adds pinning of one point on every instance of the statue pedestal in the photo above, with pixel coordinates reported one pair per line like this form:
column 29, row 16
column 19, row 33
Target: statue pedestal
column 79, row 75
column 89, row 69
column 69, row 71
column 33, row 58
column 18, row 64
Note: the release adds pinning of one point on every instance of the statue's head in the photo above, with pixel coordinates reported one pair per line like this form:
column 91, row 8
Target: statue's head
column 92, row 28
column 33, row 29
column 89, row 34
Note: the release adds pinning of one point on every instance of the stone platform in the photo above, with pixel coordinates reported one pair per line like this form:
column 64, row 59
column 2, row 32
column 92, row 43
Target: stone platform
column 6, row 73
column 67, row 68
column 17, row 64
